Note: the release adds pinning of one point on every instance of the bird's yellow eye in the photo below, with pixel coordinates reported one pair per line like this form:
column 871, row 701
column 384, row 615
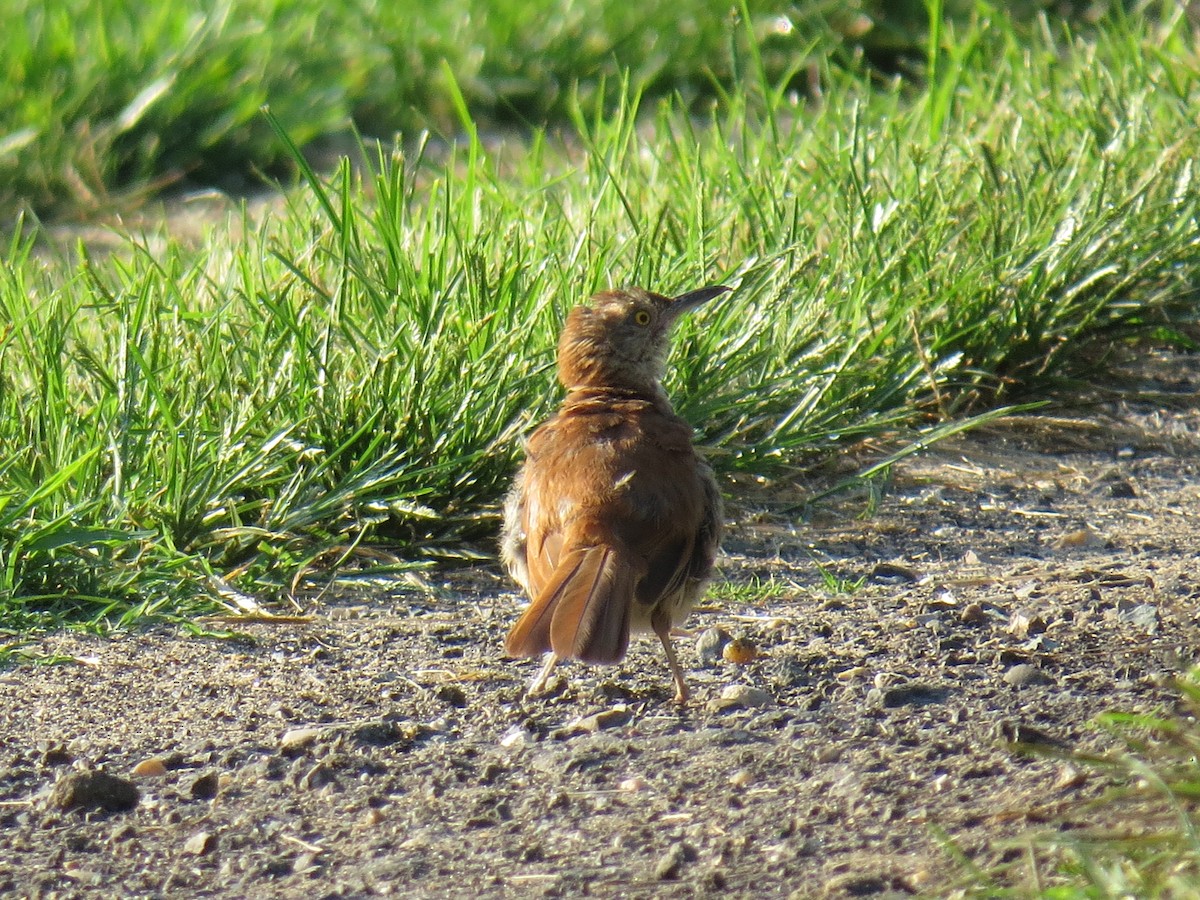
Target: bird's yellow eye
column 641, row 317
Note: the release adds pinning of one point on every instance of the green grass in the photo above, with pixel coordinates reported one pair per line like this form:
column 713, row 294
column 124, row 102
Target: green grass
column 101, row 96
column 753, row 592
column 1147, row 840
column 356, row 369
column 102, row 101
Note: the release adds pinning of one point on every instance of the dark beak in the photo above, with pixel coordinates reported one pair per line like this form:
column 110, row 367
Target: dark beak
column 689, row 301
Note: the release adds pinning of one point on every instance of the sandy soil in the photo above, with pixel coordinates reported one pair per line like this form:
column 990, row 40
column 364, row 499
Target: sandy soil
column 1015, row 583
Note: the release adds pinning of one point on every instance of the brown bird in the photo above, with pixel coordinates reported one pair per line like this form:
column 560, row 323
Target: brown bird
column 613, row 522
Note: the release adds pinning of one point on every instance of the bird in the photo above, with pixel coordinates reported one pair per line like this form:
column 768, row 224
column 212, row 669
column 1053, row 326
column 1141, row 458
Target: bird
column 613, row 522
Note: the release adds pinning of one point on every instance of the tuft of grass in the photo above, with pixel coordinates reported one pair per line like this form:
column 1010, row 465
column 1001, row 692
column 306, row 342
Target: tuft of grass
column 1147, row 842
column 753, row 591
column 355, row 369
column 836, row 584
column 101, row 96
column 100, row 99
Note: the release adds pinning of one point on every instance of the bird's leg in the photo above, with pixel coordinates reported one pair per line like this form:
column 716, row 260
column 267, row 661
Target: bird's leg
column 681, row 689
column 543, row 675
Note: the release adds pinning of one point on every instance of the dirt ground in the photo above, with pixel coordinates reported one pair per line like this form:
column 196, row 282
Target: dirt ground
column 1015, row 583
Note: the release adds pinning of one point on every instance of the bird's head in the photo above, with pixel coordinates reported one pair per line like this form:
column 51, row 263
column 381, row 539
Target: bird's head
column 621, row 338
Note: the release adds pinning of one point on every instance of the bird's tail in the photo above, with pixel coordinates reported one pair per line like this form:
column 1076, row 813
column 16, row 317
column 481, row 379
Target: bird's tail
column 583, row 610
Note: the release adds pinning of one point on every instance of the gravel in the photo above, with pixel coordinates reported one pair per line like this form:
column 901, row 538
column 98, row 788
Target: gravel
column 386, row 747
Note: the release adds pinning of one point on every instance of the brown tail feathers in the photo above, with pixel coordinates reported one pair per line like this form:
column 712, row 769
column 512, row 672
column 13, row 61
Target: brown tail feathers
column 582, row 612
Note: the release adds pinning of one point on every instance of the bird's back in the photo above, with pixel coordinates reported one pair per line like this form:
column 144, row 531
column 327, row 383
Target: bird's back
column 616, row 472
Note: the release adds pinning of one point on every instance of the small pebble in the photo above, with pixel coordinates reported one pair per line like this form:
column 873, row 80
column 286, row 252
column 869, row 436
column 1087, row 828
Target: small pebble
column 1142, row 615
column 1040, row 644
column 1122, row 490
column 204, row 787
column 94, row 790
column 371, row 817
column 515, row 736
column 1026, row 622
column 1024, row 674
column 153, row 767
column 740, row 652
column 82, row 876
column 200, row 843
column 609, row 718
column 741, row 778
column 828, row 754
column 671, row 862
column 710, row 644
column 746, row 696
column 973, row 614
column 57, row 755
column 890, row 573
column 305, row 862
column 1077, row 540
column 943, row 598
column 633, row 784
column 298, row 738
